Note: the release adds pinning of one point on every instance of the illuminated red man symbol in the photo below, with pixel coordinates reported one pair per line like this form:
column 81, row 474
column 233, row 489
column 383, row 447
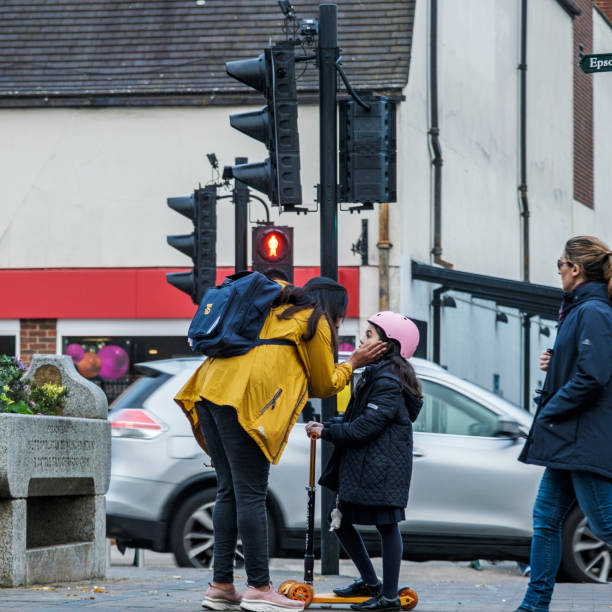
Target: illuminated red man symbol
column 273, row 245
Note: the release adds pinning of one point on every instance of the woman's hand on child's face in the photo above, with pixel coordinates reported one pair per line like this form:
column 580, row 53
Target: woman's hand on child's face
column 314, row 429
column 367, row 353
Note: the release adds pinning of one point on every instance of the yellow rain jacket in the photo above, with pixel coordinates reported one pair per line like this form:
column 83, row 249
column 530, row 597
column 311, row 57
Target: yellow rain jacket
column 269, row 385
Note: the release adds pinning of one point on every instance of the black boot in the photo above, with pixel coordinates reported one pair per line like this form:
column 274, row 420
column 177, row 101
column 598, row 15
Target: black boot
column 359, row 589
column 378, row 603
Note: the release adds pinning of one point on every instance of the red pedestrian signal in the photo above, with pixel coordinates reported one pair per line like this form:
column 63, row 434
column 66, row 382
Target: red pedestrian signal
column 273, row 251
column 272, row 246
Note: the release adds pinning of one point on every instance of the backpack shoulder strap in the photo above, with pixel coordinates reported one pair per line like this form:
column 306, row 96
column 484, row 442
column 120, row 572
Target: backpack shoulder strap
column 278, row 341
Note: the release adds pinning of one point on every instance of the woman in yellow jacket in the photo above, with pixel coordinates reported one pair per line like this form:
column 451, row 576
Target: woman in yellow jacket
column 245, row 407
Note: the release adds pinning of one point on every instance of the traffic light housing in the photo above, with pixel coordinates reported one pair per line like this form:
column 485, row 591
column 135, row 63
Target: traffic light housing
column 275, row 125
column 200, row 245
column 367, row 168
column 273, row 251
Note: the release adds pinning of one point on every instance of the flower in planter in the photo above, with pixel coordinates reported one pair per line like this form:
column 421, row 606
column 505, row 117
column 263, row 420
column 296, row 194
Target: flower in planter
column 26, row 396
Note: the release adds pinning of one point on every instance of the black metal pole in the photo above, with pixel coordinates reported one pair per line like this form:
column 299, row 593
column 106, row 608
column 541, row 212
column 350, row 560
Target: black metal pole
column 309, row 554
column 327, row 55
column 241, row 215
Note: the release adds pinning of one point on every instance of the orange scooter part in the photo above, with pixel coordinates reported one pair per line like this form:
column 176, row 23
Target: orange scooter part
column 283, row 587
column 304, row 592
column 408, row 598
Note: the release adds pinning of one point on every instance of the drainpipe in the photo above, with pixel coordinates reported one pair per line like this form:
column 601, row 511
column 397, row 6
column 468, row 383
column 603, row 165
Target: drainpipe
column 434, row 134
column 527, row 362
column 383, row 256
column 524, row 203
column 437, row 318
column 436, row 303
column 522, row 189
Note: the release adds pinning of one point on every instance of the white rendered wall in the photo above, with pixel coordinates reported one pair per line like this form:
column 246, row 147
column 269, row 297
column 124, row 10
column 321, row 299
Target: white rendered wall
column 479, row 114
column 550, row 138
column 602, row 130
column 88, row 187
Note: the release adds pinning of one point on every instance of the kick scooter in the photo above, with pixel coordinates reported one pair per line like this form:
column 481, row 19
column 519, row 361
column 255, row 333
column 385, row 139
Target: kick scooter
column 304, row 591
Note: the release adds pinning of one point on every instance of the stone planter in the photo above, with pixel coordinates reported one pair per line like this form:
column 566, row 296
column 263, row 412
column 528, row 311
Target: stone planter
column 54, row 472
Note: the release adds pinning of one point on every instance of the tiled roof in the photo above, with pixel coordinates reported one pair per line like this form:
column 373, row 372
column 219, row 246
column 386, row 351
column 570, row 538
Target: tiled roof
column 151, row 48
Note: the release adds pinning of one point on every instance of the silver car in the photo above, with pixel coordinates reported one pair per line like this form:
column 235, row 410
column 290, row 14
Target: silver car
column 470, row 498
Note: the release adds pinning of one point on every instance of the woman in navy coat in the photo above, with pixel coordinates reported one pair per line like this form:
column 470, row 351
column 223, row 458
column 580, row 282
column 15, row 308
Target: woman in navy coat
column 572, row 430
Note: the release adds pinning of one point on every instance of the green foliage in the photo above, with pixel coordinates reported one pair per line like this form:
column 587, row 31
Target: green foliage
column 21, row 396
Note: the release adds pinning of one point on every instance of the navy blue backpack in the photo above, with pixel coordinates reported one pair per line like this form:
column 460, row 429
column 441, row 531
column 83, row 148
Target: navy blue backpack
column 230, row 316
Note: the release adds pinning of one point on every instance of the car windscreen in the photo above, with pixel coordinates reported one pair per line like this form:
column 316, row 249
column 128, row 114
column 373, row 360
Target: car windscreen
column 135, row 395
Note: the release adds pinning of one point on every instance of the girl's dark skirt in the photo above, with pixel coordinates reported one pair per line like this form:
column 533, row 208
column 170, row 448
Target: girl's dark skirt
column 356, row 514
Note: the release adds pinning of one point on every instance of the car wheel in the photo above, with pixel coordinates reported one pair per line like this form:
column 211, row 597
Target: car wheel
column 192, row 538
column 586, row 558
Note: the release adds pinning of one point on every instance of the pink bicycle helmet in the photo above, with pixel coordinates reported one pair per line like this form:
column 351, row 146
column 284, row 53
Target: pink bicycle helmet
column 398, row 327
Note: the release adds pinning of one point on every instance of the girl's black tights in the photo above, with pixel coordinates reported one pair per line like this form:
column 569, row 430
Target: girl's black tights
column 392, row 549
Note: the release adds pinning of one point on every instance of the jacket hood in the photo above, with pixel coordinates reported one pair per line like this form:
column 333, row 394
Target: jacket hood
column 413, row 403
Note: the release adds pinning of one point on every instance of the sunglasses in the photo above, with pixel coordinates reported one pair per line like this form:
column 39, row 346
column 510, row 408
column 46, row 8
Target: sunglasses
column 562, row 262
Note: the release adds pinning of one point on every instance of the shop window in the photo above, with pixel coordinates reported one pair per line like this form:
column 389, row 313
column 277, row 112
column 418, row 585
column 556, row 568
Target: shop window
column 346, row 344
column 7, row 345
column 110, row 361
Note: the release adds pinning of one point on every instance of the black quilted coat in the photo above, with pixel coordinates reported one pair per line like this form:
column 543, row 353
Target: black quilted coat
column 372, row 461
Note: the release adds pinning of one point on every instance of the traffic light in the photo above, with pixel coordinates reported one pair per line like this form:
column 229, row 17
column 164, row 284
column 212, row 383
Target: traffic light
column 201, row 245
column 273, row 74
column 273, row 251
column 367, row 166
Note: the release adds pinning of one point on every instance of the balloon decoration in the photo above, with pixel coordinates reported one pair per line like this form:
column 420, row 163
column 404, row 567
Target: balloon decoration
column 111, row 362
column 115, row 362
column 90, row 365
column 346, row 347
column 75, row 351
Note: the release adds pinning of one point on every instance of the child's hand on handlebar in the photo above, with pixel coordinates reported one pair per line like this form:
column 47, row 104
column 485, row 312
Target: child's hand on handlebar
column 314, row 429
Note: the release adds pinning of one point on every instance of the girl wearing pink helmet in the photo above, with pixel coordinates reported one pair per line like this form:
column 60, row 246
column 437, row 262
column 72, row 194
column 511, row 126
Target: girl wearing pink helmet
column 372, row 462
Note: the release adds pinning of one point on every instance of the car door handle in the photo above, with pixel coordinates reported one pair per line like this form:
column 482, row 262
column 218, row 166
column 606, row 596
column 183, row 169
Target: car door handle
column 416, row 452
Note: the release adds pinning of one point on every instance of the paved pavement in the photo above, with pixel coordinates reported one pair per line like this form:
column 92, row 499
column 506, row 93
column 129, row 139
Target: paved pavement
column 160, row 585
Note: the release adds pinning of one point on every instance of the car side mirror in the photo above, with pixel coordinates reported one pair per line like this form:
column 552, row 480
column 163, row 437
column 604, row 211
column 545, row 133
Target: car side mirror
column 507, row 428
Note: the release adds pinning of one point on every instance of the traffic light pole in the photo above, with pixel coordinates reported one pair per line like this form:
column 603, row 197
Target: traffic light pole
column 327, row 56
column 241, row 202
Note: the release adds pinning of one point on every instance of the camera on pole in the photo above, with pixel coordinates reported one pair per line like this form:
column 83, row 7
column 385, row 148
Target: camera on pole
column 200, row 245
column 275, row 125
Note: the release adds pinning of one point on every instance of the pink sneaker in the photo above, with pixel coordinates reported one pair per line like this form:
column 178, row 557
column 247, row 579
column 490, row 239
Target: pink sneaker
column 218, row 599
column 268, row 601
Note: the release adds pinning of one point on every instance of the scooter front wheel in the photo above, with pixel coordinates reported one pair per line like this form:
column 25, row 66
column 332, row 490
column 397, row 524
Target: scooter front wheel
column 408, row 598
column 301, row 591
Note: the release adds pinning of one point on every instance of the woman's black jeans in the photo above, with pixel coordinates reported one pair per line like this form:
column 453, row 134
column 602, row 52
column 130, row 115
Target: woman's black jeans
column 242, row 484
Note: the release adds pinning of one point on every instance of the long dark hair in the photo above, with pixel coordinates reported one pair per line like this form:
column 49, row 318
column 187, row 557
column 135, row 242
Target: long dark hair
column 332, row 296
column 298, row 299
column 399, row 366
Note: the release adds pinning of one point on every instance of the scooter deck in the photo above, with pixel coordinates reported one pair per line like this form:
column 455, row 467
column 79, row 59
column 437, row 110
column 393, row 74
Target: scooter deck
column 332, row 598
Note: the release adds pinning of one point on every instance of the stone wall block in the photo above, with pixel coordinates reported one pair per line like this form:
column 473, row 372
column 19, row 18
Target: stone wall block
column 54, row 473
column 12, row 542
column 85, row 398
column 47, row 455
